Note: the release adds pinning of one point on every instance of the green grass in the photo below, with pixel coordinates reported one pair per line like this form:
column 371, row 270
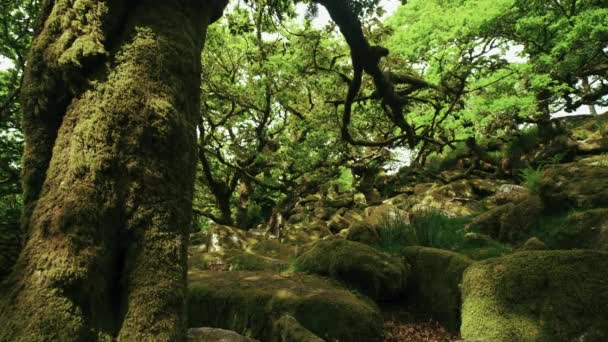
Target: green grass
column 430, row 229
column 531, row 178
column 434, row 229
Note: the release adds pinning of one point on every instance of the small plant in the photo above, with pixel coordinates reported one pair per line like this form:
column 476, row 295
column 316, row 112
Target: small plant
column 531, row 178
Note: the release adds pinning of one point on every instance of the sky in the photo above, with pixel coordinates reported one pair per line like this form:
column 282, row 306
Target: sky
column 323, row 19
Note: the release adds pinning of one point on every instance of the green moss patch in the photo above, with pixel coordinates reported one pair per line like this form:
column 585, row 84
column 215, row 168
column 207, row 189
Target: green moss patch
column 537, row 296
column 359, row 266
column 252, row 303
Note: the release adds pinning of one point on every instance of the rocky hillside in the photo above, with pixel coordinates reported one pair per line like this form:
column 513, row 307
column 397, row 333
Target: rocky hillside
column 516, row 258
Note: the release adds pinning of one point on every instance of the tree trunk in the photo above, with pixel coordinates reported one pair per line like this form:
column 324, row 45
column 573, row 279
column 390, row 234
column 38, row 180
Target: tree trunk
column 110, row 108
column 242, row 211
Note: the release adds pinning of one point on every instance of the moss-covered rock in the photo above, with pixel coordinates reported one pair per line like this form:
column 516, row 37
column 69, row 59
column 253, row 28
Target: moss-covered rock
column 233, row 260
column 364, row 233
column 537, row 296
column 225, row 237
column 480, row 247
column 582, row 184
column 252, row 303
column 305, row 232
column 359, row 266
column 288, row 329
column 216, row 335
column 434, row 287
column 534, row 244
column 509, row 222
column 577, row 229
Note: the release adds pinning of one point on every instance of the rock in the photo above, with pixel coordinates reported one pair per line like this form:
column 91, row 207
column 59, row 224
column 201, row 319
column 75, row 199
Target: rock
column 343, row 201
column 455, row 199
column 506, row 193
column 534, row 244
column 359, row 199
column 480, row 246
column 537, row 296
column 380, row 214
column 337, row 223
column 324, row 213
column 580, row 229
column 582, row 184
column 216, row 335
column 311, row 198
column 359, row 266
column 221, row 237
column 422, row 188
column 254, row 302
column 233, row 260
column 509, row 222
column 373, row 197
column 287, row 328
column 305, row 233
column 296, row 218
column 434, row 286
column 364, row 233
column 485, row 187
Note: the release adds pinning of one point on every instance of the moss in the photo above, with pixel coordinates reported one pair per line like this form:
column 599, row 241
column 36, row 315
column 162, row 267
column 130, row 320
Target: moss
column 359, row 266
column 288, row 329
column 537, row 296
column 510, row 222
column 575, row 229
column 534, row 244
column 364, row 233
column 479, row 247
column 580, row 185
column 252, row 302
column 233, row 260
column 435, row 284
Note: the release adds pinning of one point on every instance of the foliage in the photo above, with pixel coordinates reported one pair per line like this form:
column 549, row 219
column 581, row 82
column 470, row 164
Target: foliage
column 532, row 178
column 429, row 229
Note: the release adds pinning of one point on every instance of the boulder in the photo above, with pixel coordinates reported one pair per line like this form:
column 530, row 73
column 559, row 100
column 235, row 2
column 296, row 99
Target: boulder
column 253, row 304
column 364, row 233
column 343, row 201
column 288, row 329
column 378, row 215
column 534, row 244
column 434, row 286
column 509, row 222
column 311, row 198
column 359, row 266
column 480, row 247
column 233, row 260
column 579, row 229
column 305, row 232
column 582, row 184
column 221, row 237
column 216, row 335
column 537, row 296
column 337, row 223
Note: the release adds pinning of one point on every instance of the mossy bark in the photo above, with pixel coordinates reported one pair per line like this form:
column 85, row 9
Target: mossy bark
column 111, row 105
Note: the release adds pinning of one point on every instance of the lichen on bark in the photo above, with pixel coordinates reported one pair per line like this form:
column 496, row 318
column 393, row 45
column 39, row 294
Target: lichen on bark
column 109, row 170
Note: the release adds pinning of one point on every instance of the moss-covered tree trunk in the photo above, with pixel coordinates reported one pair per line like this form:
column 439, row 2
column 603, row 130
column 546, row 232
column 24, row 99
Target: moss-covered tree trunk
column 110, row 108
